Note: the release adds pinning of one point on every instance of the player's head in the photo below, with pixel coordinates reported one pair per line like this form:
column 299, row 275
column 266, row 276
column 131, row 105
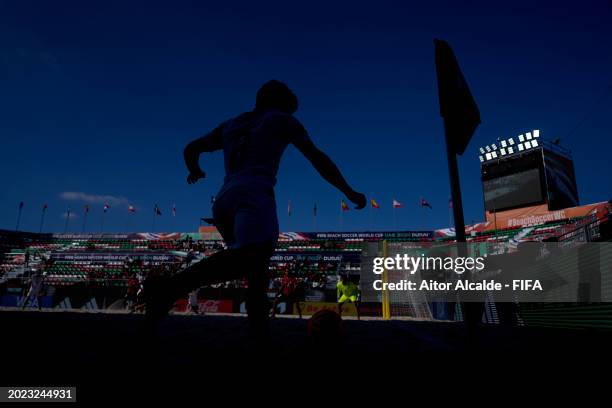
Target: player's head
column 275, row 94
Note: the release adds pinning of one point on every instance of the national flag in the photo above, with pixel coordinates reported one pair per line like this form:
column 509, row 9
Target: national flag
column 343, row 205
column 106, row 207
column 373, row 203
column 396, row 204
column 174, row 210
column 314, row 209
column 423, row 203
column 131, row 209
column 157, row 210
column 457, row 105
column 20, row 205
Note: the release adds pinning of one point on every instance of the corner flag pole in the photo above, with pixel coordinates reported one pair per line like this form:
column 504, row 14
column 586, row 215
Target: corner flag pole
column 461, row 118
column 453, row 171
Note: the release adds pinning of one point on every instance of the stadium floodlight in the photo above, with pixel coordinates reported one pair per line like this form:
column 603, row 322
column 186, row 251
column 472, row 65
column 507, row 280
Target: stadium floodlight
column 503, row 143
column 494, row 155
column 534, row 143
column 494, row 146
column 511, row 141
column 502, row 151
column 488, row 155
column 488, row 148
column 482, row 150
column 521, row 147
column 521, row 138
column 536, row 133
column 527, row 145
column 481, row 158
column 528, row 135
column 510, row 150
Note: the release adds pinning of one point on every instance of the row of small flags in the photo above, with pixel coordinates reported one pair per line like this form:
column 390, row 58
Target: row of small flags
column 423, row 203
column 86, row 208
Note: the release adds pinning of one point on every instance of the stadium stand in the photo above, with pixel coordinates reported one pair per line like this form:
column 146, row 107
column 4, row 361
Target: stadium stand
column 82, row 267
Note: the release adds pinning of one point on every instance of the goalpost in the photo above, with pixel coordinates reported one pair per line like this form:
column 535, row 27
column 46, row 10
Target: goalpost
column 394, row 304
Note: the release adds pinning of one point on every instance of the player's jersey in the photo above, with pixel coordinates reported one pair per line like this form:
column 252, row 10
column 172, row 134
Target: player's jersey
column 349, row 289
column 133, row 285
column 288, row 285
column 253, row 144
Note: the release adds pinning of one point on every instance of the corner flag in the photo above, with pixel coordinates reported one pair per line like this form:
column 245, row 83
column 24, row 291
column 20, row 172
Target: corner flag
column 457, row 106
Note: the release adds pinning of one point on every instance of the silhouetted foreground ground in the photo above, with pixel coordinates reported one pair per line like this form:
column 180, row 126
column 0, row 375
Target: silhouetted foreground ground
column 93, row 350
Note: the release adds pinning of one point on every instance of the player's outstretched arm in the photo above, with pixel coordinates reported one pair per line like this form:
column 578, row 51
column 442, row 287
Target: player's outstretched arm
column 329, row 171
column 208, row 143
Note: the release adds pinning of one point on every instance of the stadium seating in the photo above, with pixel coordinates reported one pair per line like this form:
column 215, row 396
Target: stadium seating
column 315, row 258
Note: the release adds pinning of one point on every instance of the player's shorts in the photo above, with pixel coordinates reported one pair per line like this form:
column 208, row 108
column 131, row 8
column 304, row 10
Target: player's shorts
column 344, row 299
column 246, row 214
column 292, row 297
column 35, row 291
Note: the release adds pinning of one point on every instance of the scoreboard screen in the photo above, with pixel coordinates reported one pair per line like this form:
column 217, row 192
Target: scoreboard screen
column 513, row 190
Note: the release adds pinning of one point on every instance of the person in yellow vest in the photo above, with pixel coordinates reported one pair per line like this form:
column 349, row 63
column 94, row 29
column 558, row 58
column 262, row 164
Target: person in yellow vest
column 348, row 291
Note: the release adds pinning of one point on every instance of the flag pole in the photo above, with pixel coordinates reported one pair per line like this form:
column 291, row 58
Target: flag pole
column 42, row 219
column 461, row 117
column 19, row 216
column 102, row 223
column 67, row 221
column 289, row 215
column 84, row 221
column 453, row 171
column 423, row 216
column 156, row 212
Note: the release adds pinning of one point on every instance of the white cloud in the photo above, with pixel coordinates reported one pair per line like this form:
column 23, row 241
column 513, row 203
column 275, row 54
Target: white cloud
column 94, row 198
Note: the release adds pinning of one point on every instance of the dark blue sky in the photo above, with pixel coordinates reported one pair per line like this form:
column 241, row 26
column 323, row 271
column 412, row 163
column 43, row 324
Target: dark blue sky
column 99, row 99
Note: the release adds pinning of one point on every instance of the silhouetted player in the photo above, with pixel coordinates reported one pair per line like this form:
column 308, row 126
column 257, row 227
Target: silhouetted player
column 37, row 285
column 244, row 210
